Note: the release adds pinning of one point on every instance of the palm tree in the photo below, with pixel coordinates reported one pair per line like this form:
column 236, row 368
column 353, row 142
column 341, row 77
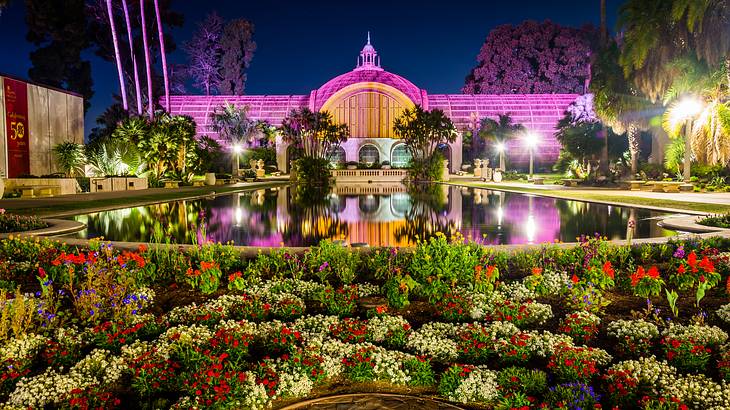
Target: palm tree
column 233, row 126
column 162, row 54
column 138, row 88
column 499, row 132
column 150, row 101
column 70, row 158
column 616, row 102
column 658, row 32
column 709, row 133
column 117, row 56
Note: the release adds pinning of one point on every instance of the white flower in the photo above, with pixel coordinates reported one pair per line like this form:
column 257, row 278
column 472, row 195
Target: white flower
column 724, row 313
column 479, row 386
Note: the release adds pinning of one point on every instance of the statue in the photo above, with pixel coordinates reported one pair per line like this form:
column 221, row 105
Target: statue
column 260, row 172
column 477, row 168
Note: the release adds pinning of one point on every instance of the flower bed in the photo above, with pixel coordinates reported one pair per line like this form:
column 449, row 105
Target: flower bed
column 19, row 223
column 594, row 326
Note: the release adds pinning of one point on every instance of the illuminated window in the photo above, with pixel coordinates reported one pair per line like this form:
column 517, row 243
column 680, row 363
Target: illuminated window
column 400, row 157
column 369, row 154
column 336, row 155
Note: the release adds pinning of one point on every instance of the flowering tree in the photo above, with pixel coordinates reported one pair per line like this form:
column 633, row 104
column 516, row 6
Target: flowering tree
column 532, row 58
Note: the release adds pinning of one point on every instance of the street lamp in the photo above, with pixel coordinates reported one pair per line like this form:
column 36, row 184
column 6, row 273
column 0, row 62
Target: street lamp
column 531, row 140
column 686, row 110
column 500, row 147
column 237, row 150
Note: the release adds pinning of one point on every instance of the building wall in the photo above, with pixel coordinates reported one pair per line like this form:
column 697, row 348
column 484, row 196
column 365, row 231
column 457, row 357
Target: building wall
column 53, row 117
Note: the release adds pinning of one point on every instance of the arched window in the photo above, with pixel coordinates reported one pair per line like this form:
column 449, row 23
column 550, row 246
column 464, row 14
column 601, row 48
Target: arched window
column 400, row 156
column 368, row 204
column 369, row 154
column 336, row 155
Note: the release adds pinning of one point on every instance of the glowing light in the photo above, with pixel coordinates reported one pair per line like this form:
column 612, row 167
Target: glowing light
column 531, row 140
column 500, row 147
column 687, row 108
column 500, row 215
column 237, row 148
column 239, row 216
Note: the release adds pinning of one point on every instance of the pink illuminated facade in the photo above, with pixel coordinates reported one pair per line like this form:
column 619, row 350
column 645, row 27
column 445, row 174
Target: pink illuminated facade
column 369, row 98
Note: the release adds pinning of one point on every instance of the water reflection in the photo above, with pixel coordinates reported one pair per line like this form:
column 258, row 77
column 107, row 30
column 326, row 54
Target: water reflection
column 385, row 216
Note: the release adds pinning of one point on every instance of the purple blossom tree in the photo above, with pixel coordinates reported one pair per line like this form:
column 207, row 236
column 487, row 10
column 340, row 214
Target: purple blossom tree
column 533, row 58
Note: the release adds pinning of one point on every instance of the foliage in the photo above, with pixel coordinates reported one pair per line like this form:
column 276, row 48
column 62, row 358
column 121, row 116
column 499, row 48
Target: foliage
column 70, row 158
column 720, row 221
column 674, row 155
column 19, row 223
column 237, row 50
column 429, row 169
column 204, row 52
column 166, row 144
column 115, row 158
column 500, row 130
column 233, row 124
column 532, row 58
column 315, row 133
column 422, row 131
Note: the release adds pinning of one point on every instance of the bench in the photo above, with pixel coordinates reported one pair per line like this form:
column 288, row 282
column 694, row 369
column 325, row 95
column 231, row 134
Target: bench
column 636, row 185
column 38, row 190
column 538, row 181
column 198, row 183
column 571, row 182
column 172, row 184
column 666, row 186
column 221, row 181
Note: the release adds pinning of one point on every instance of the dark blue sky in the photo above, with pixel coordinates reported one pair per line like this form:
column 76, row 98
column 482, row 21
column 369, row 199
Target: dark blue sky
column 302, row 44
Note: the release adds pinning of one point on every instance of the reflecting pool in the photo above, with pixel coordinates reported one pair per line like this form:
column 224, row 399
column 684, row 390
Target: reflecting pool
column 376, row 215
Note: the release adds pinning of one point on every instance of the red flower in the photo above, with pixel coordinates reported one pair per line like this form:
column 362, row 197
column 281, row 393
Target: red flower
column 41, row 273
column 681, row 270
column 653, row 272
column 608, row 269
column 575, row 279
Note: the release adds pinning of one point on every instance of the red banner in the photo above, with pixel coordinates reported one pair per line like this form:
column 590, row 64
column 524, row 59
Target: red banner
column 16, row 120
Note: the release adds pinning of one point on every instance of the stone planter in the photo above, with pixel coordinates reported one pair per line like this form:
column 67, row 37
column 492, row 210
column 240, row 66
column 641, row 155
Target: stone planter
column 210, row 178
column 2, row 187
column 386, row 167
column 352, row 167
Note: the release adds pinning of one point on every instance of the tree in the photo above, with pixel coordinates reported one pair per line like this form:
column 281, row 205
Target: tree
column 233, row 124
column 161, row 38
column 70, row 158
column 135, row 69
column 499, row 131
column 237, row 49
column 532, row 58
column 658, row 32
column 204, row 50
column 117, row 55
column 579, row 132
column 710, row 131
column 422, row 131
column 147, row 61
column 58, row 29
column 315, row 133
column 617, row 103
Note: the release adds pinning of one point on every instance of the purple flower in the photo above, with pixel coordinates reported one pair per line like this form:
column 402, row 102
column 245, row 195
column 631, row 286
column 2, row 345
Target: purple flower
column 679, row 253
column 323, row 266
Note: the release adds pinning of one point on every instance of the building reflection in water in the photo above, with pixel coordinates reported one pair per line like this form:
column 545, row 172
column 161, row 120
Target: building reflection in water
column 376, row 215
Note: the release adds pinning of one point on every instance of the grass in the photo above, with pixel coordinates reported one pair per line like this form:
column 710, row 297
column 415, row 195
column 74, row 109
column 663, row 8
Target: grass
column 614, row 198
column 60, row 206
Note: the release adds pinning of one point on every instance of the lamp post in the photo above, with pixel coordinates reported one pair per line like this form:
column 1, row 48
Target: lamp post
column 500, row 149
column 531, row 142
column 237, row 149
column 686, row 110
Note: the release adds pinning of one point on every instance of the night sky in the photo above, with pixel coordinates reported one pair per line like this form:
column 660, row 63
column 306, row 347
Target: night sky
column 302, row 44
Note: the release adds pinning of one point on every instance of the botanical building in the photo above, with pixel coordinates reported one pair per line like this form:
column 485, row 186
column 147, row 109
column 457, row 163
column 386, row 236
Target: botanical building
column 369, row 98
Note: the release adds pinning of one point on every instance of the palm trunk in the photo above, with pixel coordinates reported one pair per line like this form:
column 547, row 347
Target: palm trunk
column 603, row 167
column 727, row 71
column 633, row 134
column 117, row 56
column 164, row 57
column 150, row 102
column 138, row 88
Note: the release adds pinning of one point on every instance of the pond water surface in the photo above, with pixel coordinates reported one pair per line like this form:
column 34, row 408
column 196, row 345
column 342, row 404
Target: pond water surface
column 378, row 216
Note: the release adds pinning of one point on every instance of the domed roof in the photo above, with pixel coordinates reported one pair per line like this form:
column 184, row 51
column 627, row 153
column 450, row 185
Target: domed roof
column 368, row 70
column 367, row 76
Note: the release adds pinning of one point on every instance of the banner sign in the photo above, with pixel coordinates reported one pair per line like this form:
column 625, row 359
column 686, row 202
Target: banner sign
column 16, row 120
